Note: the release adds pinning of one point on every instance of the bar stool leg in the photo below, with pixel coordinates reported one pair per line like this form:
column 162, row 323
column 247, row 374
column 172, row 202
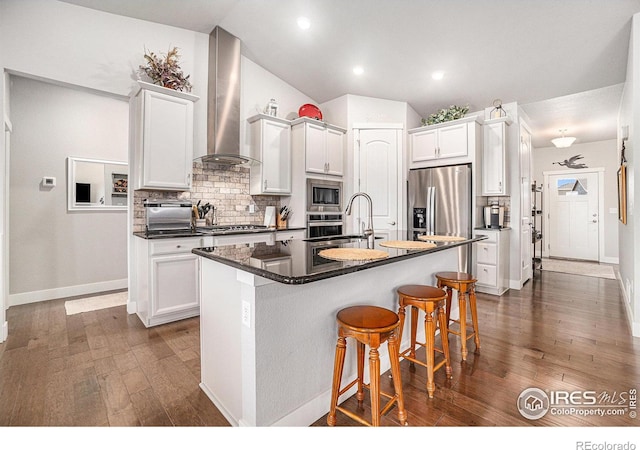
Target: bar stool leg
column 429, row 332
column 401, row 315
column 449, row 292
column 414, row 331
column 444, row 337
column 474, row 314
column 338, row 365
column 374, row 384
column 394, row 354
column 462, row 296
column 360, row 359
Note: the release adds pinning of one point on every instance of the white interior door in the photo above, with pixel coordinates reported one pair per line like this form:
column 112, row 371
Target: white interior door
column 574, row 215
column 378, row 157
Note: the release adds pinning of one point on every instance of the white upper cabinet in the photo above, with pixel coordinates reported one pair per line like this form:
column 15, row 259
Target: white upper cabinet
column 323, row 146
column 494, row 157
column 271, row 145
column 163, row 138
column 443, row 143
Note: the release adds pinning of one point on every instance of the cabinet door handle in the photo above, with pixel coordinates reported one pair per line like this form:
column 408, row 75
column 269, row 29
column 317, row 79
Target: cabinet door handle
column 485, row 270
column 392, row 222
column 265, row 185
column 328, row 167
column 178, row 246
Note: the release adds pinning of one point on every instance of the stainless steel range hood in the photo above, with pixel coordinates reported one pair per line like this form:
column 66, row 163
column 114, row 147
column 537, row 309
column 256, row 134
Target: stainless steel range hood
column 223, row 109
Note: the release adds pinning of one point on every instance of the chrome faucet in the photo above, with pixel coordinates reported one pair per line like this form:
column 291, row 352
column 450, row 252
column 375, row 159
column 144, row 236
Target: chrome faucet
column 368, row 232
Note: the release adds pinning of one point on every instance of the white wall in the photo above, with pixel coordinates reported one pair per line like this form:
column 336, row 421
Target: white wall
column 89, row 48
column 50, row 248
column 595, row 154
column 629, row 116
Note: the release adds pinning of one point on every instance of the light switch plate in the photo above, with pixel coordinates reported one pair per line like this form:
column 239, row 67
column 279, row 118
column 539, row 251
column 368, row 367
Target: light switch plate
column 48, row 181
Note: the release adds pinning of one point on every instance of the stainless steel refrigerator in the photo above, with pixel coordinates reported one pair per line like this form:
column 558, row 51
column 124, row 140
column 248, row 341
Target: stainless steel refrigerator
column 439, row 202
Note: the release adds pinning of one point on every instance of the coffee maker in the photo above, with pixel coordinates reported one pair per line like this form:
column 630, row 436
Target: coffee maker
column 494, row 216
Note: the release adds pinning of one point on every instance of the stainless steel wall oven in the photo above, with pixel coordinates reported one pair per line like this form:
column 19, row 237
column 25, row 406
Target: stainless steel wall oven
column 324, row 208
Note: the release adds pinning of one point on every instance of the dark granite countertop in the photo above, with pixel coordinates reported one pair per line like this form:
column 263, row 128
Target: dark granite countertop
column 306, row 265
column 491, row 229
column 182, row 234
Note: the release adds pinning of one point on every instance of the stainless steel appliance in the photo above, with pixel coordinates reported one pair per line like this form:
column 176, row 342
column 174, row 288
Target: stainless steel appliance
column 324, row 195
column 494, row 216
column 233, row 229
column 324, row 208
column 439, row 202
column 164, row 217
column 325, row 224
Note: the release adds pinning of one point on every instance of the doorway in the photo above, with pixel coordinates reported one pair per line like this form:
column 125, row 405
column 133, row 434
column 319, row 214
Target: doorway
column 378, row 163
column 575, row 208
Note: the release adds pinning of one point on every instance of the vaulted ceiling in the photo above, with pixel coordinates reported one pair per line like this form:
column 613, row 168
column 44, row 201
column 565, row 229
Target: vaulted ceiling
column 563, row 61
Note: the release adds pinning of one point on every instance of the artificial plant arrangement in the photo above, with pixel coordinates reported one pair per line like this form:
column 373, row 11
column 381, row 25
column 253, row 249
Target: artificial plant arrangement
column 166, row 71
column 453, row 112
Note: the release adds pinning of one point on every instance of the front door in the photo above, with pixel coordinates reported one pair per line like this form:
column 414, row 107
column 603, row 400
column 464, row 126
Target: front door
column 574, row 215
column 378, row 159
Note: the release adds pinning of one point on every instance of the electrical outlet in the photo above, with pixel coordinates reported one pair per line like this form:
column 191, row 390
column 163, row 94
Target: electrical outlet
column 246, row 314
column 252, row 208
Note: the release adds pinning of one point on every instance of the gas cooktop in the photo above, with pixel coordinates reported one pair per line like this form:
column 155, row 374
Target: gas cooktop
column 241, row 228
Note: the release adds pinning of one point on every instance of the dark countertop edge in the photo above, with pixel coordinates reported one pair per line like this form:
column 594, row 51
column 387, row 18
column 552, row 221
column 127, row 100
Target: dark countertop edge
column 491, row 229
column 330, row 273
column 143, row 235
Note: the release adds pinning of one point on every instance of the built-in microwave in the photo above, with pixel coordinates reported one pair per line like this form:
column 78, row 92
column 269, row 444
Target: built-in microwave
column 324, row 195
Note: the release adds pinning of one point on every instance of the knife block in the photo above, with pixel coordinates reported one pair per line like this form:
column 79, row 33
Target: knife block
column 280, row 223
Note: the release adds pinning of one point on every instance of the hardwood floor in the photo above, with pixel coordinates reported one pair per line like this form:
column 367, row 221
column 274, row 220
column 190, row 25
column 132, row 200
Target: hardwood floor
column 100, row 368
column 104, row 368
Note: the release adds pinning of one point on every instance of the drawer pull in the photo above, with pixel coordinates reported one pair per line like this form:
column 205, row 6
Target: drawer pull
column 485, row 270
column 178, row 246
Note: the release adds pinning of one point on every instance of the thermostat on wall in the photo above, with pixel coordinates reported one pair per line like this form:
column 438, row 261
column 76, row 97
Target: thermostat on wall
column 48, row 181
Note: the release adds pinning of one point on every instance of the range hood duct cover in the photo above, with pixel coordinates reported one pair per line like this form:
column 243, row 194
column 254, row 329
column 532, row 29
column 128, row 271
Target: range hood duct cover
column 223, row 109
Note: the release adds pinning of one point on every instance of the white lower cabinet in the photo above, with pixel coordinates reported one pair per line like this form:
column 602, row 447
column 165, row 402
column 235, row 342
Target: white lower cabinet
column 168, row 279
column 492, row 261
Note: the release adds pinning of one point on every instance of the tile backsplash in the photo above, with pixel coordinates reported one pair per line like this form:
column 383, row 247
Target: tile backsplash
column 225, row 187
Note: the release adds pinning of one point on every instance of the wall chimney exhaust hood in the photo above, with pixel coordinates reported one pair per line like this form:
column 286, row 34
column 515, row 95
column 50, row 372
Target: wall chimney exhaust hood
column 223, row 108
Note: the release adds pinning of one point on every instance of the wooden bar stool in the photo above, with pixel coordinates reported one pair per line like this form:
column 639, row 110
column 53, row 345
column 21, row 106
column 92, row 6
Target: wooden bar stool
column 372, row 326
column 465, row 284
column 429, row 299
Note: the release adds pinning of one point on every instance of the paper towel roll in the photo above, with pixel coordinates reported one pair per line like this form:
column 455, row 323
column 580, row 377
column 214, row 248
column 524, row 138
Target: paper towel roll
column 270, row 216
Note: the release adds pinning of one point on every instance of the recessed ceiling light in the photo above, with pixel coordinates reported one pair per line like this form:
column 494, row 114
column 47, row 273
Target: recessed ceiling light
column 358, row 70
column 439, row 75
column 304, row 23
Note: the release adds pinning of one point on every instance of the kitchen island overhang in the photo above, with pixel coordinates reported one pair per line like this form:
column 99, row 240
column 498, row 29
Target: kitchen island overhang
column 268, row 330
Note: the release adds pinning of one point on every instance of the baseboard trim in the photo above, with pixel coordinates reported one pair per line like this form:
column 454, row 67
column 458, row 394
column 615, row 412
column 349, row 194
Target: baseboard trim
column 610, row 260
column 24, row 298
column 635, row 326
column 227, row 415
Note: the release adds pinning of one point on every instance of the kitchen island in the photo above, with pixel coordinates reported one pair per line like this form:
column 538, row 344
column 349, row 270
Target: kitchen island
column 267, row 319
